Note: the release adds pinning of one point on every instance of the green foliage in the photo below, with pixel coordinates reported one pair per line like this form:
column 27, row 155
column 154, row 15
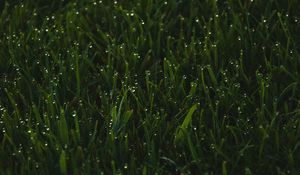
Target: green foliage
column 182, row 129
column 150, row 87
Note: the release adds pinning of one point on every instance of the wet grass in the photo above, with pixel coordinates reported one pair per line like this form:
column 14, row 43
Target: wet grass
column 150, row 87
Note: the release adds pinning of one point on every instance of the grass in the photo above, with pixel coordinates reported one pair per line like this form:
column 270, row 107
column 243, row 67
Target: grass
column 150, row 87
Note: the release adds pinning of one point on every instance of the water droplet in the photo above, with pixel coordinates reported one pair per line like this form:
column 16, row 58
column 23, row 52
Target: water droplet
column 125, row 166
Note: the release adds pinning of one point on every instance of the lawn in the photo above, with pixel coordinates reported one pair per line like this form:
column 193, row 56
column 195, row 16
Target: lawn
column 150, row 87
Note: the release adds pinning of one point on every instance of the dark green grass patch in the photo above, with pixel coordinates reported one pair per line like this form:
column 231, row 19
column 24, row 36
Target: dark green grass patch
column 150, row 87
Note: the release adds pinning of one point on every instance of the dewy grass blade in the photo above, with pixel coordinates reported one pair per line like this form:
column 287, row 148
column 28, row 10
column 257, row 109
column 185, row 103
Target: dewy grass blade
column 13, row 102
column 63, row 128
column 212, row 75
column 224, row 169
column 77, row 73
column 183, row 127
column 63, row 163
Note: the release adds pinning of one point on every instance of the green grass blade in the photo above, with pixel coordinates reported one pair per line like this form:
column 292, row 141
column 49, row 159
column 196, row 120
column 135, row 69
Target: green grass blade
column 182, row 128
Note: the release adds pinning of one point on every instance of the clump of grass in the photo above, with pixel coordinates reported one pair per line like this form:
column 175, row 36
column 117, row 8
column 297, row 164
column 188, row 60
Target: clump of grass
column 149, row 87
